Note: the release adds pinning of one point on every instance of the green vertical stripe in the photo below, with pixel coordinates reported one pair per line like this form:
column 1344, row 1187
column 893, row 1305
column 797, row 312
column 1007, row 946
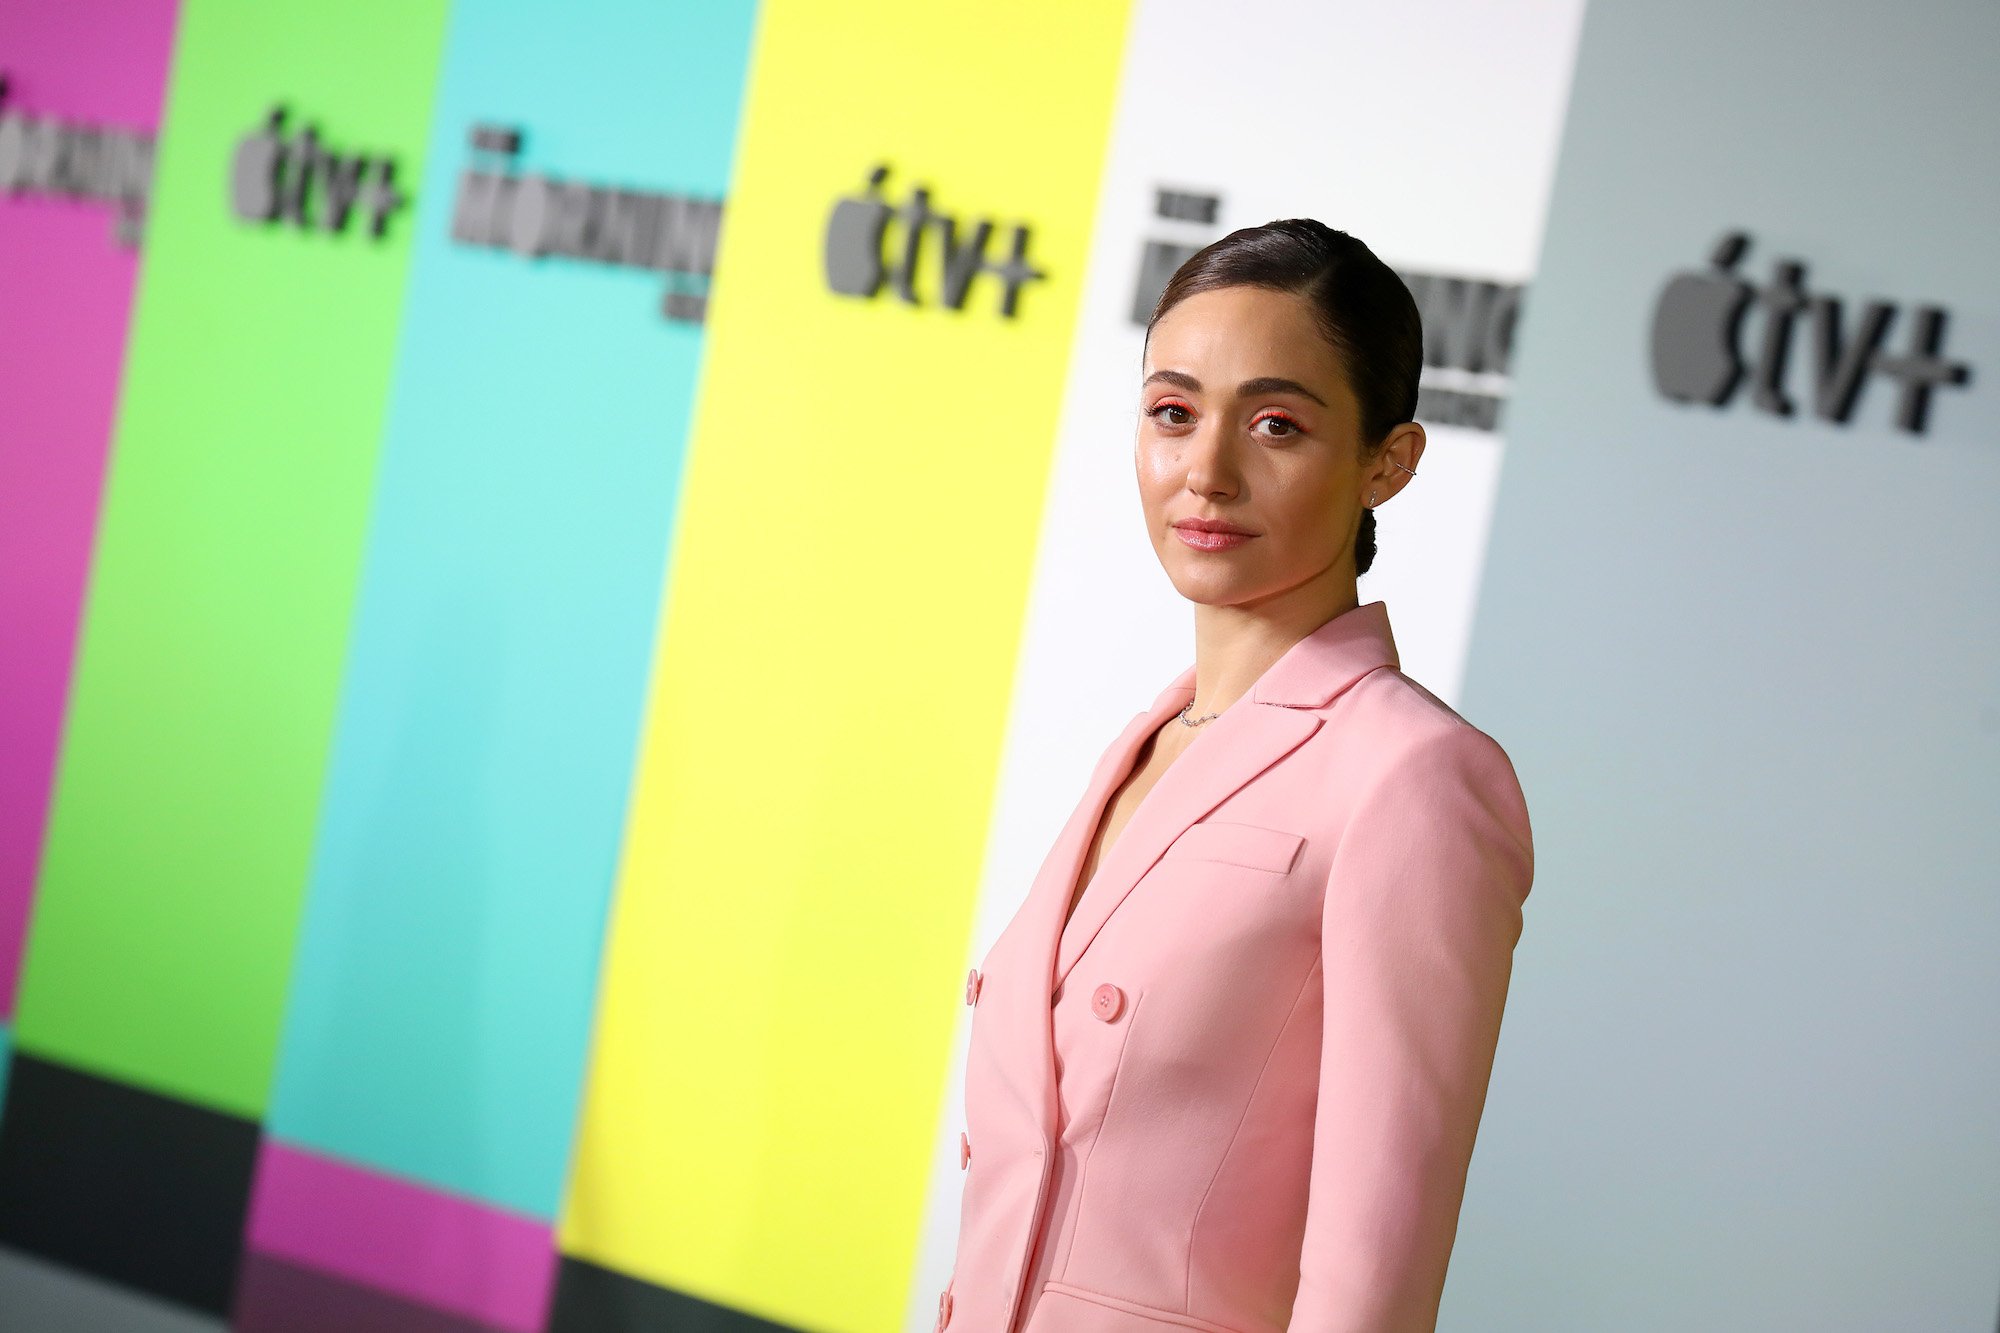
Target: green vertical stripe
column 226, row 563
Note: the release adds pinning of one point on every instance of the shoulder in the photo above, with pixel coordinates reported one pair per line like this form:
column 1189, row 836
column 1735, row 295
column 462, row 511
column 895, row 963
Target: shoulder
column 1402, row 725
column 1421, row 765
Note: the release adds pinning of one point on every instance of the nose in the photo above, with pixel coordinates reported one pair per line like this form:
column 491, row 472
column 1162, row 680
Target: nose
column 1208, row 456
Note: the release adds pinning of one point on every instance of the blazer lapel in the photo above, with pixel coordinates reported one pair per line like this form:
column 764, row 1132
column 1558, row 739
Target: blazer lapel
column 1247, row 739
column 1271, row 721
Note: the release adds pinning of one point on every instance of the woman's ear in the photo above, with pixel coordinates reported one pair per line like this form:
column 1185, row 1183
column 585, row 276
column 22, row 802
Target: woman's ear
column 1396, row 464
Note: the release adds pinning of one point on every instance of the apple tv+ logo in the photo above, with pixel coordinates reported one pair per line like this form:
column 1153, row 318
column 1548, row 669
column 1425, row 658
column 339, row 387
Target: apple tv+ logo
column 534, row 215
column 59, row 159
column 857, row 263
column 1697, row 345
column 297, row 181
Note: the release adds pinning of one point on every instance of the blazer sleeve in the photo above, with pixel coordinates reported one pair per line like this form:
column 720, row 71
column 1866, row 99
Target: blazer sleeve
column 1423, row 907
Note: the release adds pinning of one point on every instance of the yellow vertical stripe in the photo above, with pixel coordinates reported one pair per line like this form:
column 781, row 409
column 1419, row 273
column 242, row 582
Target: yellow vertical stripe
column 848, row 579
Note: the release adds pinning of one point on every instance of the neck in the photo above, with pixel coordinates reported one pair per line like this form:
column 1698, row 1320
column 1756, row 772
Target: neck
column 1234, row 645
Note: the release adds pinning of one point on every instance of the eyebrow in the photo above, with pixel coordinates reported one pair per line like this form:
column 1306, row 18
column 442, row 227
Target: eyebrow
column 1263, row 384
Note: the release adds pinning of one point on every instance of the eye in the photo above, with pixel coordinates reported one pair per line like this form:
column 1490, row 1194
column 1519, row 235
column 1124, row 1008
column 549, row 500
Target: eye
column 1171, row 413
column 1282, row 426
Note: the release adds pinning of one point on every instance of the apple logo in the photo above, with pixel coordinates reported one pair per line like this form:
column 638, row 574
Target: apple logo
column 1695, row 321
column 854, row 231
column 253, row 175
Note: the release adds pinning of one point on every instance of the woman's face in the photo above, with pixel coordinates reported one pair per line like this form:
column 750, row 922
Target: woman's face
column 1246, row 417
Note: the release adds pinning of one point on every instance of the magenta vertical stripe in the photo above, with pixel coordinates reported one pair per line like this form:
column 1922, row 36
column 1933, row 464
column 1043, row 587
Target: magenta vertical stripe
column 62, row 343
column 448, row 1252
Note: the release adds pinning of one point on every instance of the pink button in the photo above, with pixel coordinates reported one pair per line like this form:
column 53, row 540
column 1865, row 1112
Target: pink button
column 944, row 1309
column 1106, row 1001
column 964, row 1151
column 972, row 980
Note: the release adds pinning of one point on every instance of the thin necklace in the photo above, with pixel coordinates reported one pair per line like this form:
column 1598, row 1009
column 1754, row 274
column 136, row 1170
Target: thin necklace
column 1195, row 722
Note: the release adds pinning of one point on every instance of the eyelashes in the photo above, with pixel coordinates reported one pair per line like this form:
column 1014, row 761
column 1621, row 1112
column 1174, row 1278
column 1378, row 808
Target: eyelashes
column 1172, row 413
column 1290, row 423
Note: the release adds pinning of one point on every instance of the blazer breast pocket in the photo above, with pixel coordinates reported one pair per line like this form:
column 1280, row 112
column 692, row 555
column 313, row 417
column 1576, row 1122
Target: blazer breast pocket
column 1235, row 844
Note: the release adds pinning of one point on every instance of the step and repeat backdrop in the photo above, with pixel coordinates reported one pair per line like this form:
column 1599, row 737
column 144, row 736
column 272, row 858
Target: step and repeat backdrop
column 562, row 564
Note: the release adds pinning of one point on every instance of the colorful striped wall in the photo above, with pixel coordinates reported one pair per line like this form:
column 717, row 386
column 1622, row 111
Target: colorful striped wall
column 561, row 564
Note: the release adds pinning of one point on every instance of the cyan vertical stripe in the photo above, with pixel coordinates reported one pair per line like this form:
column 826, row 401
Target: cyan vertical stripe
column 443, row 993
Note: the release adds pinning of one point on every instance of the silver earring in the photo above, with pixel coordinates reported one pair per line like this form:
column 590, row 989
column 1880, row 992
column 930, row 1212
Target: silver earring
column 1412, row 471
column 1371, row 499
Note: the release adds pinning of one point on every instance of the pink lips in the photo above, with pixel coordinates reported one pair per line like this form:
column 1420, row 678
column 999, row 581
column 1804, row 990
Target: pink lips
column 1210, row 535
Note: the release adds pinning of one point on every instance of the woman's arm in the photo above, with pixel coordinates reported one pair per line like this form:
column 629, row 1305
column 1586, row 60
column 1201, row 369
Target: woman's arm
column 1423, row 907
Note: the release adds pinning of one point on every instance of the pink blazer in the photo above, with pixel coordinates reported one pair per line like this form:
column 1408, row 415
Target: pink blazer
column 1239, row 1092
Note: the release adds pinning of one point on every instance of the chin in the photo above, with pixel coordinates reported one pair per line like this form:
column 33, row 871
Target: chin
column 1207, row 590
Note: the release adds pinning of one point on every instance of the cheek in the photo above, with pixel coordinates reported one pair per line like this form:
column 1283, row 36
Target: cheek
column 1311, row 522
column 1155, row 465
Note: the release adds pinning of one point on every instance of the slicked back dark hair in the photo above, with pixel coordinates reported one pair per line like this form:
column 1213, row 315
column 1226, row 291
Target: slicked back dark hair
column 1362, row 306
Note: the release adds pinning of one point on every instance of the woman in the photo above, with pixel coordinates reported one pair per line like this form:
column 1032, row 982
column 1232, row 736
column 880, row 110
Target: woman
column 1228, row 1059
